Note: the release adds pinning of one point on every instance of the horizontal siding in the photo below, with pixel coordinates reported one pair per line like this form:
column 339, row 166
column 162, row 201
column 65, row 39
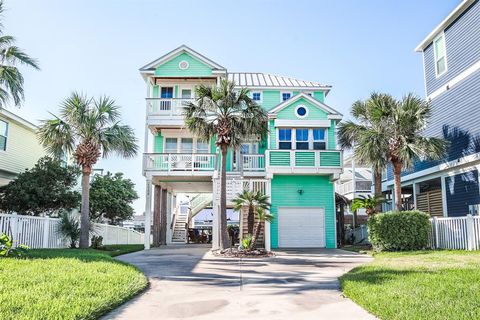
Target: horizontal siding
column 23, row 148
column 270, row 99
column 273, row 134
column 330, row 159
column 305, row 159
column 317, row 192
column 158, row 143
column 314, row 112
column 171, row 69
column 279, row 158
column 462, row 190
column 462, row 43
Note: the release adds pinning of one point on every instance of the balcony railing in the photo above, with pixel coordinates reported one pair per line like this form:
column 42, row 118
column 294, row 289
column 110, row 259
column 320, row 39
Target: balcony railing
column 347, row 187
column 253, row 162
column 169, row 162
column 166, row 107
column 304, row 159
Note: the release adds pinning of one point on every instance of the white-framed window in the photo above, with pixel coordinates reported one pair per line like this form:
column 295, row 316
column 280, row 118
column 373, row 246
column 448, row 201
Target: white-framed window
column 301, row 139
column 285, row 95
column 202, row 146
column 319, row 140
column 440, row 54
column 285, row 138
column 186, row 145
column 257, row 96
column 166, row 92
column 3, row 135
column 301, row 111
column 171, row 145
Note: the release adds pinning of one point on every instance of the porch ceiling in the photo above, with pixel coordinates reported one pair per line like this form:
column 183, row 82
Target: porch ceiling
column 185, row 185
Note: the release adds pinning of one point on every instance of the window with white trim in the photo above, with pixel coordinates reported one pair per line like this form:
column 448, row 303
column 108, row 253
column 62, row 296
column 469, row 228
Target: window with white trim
column 186, row 145
column 285, row 138
column 202, row 146
column 171, row 145
column 301, row 138
column 319, row 142
column 286, row 95
column 3, row 135
column 257, row 96
column 440, row 55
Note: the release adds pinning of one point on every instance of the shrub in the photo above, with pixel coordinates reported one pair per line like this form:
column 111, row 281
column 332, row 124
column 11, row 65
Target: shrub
column 7, row 249
column 399, row 230
column 97, row 243
column 246, row 241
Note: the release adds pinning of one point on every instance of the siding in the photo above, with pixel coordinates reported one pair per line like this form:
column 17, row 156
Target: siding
column 158, row 143
column 319, row 95
column 23, row 149
column 271, row 98
column 462, row 43
column 314, row 112
column 318, row 191
column 273, row 134
column 171, row 69
column 462, row 190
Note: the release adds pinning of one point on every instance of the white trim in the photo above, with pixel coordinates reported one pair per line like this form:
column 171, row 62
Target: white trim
column 462, row 76
column 302, row 123
column 306, row 111
column 281, row 95
column 444, row 24
column 296, row 97
column 440, row 36
column 261, row 96
column 13, row 117
column 444, row 196
column 325, row 89
column 183, row 62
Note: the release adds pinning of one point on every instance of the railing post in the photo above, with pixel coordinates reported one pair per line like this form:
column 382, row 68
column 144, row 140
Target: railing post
column 435, row 233
column 14, row 227
column 169, row 161
column 193, row 162
column 470, row 233
column 292, row 158
column 317, row 159
column 46, row 225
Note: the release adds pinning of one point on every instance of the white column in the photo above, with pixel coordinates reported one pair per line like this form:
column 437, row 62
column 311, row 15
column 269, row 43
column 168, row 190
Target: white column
column 46, row 227
column 216, row 217
column 416, row 190
column 268, row 245
column 444, row 196
column 148, row 212
column 170, row 209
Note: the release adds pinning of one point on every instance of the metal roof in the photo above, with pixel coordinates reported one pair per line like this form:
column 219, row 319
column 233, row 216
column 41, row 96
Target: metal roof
column 257, row 79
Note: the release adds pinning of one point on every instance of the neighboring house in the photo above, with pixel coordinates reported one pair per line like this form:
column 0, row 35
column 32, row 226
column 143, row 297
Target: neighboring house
column 19, row 147
column 296, row 165
column 451, row 58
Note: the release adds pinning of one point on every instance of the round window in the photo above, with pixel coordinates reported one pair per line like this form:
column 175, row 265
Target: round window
column 301, row 111
column 183, row 65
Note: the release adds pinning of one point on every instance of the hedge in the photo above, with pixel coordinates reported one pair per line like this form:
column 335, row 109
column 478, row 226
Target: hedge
column 399, row 230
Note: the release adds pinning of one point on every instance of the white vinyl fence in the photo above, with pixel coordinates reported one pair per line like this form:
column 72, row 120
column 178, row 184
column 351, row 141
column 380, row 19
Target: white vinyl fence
column 41, row 232
column 461, row 233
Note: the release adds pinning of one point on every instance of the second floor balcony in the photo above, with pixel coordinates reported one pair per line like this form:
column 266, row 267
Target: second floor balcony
column 166, row 110
column 360, row 186
column 180, row 163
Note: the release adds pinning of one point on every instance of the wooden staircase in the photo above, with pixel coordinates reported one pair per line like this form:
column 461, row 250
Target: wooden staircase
column 179, row 232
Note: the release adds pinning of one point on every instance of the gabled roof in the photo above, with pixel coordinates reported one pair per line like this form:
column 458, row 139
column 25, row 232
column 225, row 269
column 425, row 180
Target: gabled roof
column 13, row 117
column 332, row 112
column 148, row 68
column 459, row 10
column 264, row 80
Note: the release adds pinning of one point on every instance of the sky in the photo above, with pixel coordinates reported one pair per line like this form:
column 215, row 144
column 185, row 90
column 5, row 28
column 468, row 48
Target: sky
column 96, row 47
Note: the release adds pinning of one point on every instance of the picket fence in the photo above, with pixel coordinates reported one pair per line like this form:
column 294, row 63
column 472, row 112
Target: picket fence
column 461, row 233
column 41, row 232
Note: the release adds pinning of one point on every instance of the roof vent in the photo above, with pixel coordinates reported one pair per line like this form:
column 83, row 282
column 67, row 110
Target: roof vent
column 183, row 65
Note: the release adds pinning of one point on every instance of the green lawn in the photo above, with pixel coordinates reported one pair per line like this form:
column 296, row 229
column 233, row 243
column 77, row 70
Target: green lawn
column 67, row 283
column 418, row 285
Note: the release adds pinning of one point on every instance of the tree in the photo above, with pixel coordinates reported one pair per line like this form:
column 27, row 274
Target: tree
column 88, row 128
column 255, row 200
column 232, row 117
column 262, row 216
column 369, row 203
column 11, row 80
column 111, row 198
column 44, row 189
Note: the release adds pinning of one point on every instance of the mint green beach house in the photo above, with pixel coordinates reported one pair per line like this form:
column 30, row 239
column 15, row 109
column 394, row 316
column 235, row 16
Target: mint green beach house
column 296, row 165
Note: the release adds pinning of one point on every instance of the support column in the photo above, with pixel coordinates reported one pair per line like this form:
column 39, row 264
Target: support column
column 156, row 216
column 268, row 245
column 170, row 210
column 215, row 218
column 416, row 190
column 148, row 213
column 163, row 217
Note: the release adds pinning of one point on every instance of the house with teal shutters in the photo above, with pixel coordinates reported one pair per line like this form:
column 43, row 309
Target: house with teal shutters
column 296, row 164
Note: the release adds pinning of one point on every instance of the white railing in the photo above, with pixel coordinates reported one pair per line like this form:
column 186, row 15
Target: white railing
column 166, row 107
column 41, row 232
column 236, row 186
column 303, row 159
column 347, row 187
column 179, row 162
column 253, row 162
column 461, row 233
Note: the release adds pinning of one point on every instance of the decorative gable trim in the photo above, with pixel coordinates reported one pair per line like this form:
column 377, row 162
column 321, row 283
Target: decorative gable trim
column 149, row 68
column 332, row 112
column 302, row 123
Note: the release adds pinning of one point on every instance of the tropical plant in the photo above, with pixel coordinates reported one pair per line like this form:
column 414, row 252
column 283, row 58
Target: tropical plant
column 232, row 117
column 262, row 216
column 88, row 128
column 111, row 198
column 392, row 131
column 97, row 243
column 69, row 227
column 246, row 241
column 7, row 249
column 233, row 232
column 45, row 189
column 254, row 200
column 369, row 203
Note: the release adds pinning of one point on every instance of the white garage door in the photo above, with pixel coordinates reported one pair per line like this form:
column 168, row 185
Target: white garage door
column 301, row 227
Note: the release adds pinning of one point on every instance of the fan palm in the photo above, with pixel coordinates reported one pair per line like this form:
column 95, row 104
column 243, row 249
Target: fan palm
column 231, row 116
column 87, row 128
column 369, row 203
column 254, row 200
column 262, row 216
column 11, row 80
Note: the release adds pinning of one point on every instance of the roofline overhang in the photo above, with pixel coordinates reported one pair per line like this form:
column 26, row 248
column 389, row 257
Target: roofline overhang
column 21, row 121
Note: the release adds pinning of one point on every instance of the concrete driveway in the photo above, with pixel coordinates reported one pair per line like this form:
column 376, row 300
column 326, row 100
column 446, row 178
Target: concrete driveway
column 189, row 282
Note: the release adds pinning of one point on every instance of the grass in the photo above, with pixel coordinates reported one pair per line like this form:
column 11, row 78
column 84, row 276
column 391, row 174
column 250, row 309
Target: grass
column 418, row 285
column 67, row 283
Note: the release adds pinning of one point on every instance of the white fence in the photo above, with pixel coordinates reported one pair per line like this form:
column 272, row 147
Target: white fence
column 461, row 233
column 41, row 232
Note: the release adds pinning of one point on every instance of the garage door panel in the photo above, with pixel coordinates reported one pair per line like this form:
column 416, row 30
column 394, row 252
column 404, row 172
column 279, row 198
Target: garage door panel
column 301, row 227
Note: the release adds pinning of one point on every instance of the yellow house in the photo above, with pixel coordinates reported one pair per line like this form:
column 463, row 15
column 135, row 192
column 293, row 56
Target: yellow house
column 19, row 147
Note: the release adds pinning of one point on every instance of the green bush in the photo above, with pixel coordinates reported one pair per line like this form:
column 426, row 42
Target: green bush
column 399, row 230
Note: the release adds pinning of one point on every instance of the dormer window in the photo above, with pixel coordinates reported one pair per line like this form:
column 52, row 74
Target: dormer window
column 440, row 55
column 286, row 95
column 257, row 96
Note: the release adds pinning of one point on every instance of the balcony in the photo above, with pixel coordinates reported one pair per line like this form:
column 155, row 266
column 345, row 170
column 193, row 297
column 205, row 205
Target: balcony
column 304, row 161
column 362, row 186
column 253, row 162
column 166, row 111
column 180, row 163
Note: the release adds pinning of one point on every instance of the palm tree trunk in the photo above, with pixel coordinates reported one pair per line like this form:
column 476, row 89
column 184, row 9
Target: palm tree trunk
column 84, row 217
column 250, row 220
column 223, row 201
column 377, row 176
column 397, row 184
column 258, row 228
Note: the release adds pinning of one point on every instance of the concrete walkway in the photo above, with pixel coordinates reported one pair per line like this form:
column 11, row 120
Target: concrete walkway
column 189, row 282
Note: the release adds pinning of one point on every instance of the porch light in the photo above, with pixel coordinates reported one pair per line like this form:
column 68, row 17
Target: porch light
column 300, row 191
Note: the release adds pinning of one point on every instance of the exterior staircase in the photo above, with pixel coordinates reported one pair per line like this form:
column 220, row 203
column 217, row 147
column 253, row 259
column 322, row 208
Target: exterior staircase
column 179, row 221
column 198, row 203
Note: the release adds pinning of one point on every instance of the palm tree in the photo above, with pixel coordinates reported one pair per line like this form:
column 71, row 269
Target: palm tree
column 262, row 216
column 254, row 200
column 369, row 203
column 231, row 116
column 11, row 80
column 88, row 128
